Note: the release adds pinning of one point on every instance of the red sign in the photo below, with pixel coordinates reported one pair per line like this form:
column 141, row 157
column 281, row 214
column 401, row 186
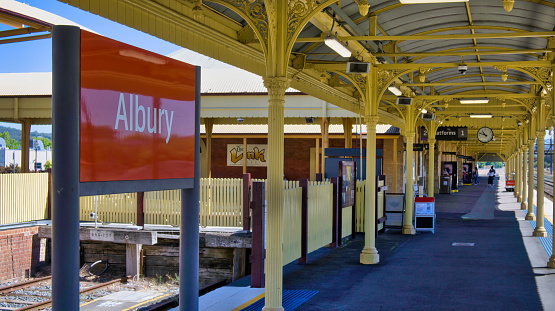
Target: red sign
column 509, row 183
column 137, row 113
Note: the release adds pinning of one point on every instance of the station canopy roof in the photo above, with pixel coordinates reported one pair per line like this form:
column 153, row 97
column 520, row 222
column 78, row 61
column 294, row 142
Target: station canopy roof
column 506, row 45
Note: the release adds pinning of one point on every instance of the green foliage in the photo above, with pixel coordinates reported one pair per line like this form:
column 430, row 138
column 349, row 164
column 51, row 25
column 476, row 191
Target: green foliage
column 45, row 141
column 10, row 142
column 9, row 169
column 47, row 164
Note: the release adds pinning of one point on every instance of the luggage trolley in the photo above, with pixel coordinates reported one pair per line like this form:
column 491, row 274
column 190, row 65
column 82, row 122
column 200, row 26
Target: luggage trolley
column 510, row 182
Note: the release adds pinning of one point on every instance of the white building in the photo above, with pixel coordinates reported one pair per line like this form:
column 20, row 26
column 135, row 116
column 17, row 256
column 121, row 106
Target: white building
column 37, row 154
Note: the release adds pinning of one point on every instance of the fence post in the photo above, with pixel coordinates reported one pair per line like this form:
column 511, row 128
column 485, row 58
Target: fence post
column 258, row 229
column 246, row 201
column 336, row 236
column 49, row 197
column 141, row 209
column 303, row 183
column 319, row 176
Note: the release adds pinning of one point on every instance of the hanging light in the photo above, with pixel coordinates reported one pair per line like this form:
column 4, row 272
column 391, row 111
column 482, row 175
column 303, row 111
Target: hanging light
column 474, row 101
column 395, row 90
column 338, row 46
column 481, row 116
column 508, row 5
column 363, row 7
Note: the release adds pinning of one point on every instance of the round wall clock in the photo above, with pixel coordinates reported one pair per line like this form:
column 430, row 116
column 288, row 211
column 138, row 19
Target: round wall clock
column 485, row 135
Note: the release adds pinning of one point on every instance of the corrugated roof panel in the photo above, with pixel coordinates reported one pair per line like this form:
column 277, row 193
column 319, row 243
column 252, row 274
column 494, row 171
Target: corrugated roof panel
column 37, row 14
column 26, row 84
column 292, row 129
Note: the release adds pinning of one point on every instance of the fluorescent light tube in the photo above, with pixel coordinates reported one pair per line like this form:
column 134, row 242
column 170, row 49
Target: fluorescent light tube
column 395, row 90
column 474, row 101
column 481, row 116
column 337, row 46
column 429, row 1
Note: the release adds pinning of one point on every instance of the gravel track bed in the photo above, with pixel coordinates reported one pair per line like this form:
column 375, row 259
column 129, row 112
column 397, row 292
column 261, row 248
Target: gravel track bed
column 32, row 292
column 26, row 298
column 12, row 305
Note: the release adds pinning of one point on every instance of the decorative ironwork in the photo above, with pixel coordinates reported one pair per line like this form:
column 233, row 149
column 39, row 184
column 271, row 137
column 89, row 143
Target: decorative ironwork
column 359, row 80
column 385, row 77
column 298, row 10
column 256, row 11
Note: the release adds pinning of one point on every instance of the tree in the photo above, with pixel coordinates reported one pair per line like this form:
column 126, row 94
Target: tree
column 45, row 141
column 47, row 164
column 10, row 142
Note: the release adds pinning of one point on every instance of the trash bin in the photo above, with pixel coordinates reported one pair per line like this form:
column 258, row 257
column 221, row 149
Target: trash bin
column 445, row 185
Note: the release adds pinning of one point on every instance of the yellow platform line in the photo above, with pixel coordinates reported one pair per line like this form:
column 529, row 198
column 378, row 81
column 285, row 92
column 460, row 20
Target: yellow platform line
column 145, row 302
column 250, row 302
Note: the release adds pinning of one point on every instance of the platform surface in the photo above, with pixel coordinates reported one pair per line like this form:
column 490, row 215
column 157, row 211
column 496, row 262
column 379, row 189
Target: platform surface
column 482, row 257
column 123, row 300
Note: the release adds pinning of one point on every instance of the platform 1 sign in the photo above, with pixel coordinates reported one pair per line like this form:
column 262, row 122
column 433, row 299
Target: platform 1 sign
column 447, row 133
column 137, row 118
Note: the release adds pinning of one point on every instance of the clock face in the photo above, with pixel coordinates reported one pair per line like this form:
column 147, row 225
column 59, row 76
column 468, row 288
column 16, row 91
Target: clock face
column 485, row 135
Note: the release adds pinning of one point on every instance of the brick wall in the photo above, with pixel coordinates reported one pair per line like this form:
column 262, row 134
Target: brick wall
column 20, row 253
column 296, row 156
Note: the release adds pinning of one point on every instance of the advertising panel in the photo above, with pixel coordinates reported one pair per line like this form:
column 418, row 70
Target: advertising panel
column 137, row 114
column 467, row 173
column 256, row 155
column 348, row 183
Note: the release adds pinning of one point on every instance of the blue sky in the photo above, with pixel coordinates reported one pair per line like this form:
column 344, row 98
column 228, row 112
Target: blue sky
column 36, row 56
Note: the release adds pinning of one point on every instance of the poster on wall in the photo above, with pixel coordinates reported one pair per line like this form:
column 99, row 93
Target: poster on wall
column 467, row 173
column 256, row 155
column 348, row 183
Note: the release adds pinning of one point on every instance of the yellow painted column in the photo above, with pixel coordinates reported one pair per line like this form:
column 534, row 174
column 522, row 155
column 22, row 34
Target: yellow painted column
column 324, row 128
column 431, row 162
column 519, row 175
column 530, row 215
column 524, row 186
column 395, row 142
column 25, row 145
column 369, row 254
column 274, row 190
column 540, row 229
column 317, row 163
column 348, row 132
column 408, row 227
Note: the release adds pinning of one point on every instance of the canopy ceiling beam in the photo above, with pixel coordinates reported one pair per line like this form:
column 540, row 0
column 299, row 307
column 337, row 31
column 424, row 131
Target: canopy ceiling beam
column 472, row 83
column 465, row 53
column 454, row 96
column 528, row 34
column 341, row 66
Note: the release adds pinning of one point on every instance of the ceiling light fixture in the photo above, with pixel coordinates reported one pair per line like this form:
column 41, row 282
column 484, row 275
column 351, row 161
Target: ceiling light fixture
column 337, row 46
column 481, row 116
column 429, row 1
column 508, row 5
column 474, row 101
column 395, row 90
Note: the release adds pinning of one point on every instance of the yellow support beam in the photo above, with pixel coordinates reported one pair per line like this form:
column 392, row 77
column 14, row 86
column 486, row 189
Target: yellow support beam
column 503, row 35
column 465, row 53
column 464, row 84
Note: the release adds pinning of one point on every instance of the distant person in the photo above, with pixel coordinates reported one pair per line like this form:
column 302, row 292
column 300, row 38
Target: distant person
column 476, row 181
column 491, row 175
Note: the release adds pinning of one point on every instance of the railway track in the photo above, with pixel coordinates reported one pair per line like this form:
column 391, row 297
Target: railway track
column 548, row 185
column 36, row 294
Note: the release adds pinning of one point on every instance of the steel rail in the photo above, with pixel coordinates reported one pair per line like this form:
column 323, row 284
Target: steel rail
column 11, row 288
column 47, row 303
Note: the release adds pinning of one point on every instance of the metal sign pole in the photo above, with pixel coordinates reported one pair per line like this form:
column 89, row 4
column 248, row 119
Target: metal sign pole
column 189, row 239
column 65, row 167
